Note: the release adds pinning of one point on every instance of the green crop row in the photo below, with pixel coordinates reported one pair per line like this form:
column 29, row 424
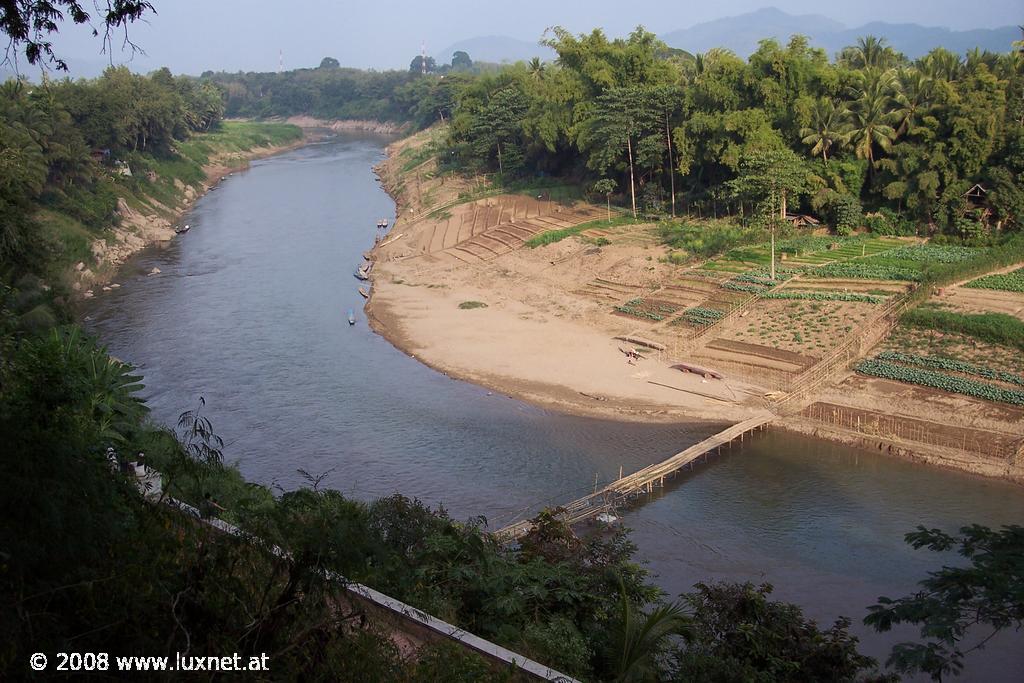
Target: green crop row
column 866, row 271
column 1007, row 282
column 994, row 328
column 744, row 287
column 702, row 316
column 933, row 253
column 636, row 312
column 950, row 364
column 937, row 380
column 826, row 296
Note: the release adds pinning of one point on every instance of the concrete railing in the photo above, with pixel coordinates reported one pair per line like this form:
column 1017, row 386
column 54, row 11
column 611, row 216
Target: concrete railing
column 409, row 618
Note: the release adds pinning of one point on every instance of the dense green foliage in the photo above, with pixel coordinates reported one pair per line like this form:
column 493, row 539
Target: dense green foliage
column 66, row 148
column 732, row 622
column 552, row 236
column 986, row 592
column 995, row 328
column 58, row 147
column 704, row 240
column 81, row 550
column 870, row 131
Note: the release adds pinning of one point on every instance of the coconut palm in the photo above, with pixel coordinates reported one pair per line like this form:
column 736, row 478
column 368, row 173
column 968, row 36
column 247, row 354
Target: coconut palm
column 536, row 69
column 871, row 114
column 828, row 129
column 913, row 98
column 941, row 64
column 870, row 52
column 641, row 639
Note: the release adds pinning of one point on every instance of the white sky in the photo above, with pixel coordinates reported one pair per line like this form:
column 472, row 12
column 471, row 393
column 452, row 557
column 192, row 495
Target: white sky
column 191, row 36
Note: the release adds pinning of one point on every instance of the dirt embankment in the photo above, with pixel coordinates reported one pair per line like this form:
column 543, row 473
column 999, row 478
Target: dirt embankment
column 138, row 229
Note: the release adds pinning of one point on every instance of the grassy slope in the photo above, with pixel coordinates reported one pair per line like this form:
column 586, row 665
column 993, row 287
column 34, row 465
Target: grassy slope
column 231, row 143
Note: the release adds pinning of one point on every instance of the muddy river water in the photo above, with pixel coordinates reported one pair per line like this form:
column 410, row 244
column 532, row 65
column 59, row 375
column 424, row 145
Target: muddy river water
column 249, row 310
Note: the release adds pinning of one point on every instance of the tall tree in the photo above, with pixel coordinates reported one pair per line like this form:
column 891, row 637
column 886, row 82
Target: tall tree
column 828, row 130
column 770, row 178
column 621, row 117
column 871, row 114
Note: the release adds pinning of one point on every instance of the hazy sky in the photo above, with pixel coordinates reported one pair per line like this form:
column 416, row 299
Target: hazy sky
column 191, row 36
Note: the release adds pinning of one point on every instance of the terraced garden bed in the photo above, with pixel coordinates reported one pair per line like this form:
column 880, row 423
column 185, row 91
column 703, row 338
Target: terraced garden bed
column 699, row 316
column 961, row 347
column 800, row 326
column 868, row 270
column 877, row 367
column 952, row 365
column 824, row 296
column 1006, row 282
column 653, row 310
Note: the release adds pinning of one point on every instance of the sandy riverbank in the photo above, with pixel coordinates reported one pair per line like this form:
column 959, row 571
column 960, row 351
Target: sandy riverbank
column 455, row 287
column 535, row 339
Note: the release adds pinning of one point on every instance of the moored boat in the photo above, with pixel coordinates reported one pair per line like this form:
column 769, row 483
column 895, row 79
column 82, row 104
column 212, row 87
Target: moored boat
column 363, row 293
column 351, row 317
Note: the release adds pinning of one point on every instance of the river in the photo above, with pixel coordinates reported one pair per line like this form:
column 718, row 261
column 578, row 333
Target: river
column 249, row 312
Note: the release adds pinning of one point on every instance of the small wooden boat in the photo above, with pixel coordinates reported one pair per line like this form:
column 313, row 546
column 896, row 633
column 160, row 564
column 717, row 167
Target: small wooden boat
column 362, row 274
column 181, row 230
column 706, row 373
column 351, row 317
column 363, row 293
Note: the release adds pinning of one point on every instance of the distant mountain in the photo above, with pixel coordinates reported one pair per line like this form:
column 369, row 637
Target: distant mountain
column 496, row 49
column 742, row 33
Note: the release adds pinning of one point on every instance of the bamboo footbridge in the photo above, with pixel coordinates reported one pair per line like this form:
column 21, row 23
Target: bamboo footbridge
column 642, row 481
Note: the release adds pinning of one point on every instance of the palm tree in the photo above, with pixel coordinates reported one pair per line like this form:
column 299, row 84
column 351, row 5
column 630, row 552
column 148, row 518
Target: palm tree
column 913, row 98
column 828, row 128
column 641, row 638
column 870, row 51
column 941, row 64
column 536, row 69
column 870, row 115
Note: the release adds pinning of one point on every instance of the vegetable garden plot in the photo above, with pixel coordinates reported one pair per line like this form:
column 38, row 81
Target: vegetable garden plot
column 802, row 326
column 1006, row 282
column 884, row 369
column 699, row 316
column 952, row 365
column 647, row 309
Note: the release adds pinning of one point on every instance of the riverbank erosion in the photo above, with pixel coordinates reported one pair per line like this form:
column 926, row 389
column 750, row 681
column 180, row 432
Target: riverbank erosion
column 152, row 200
column 542, row 297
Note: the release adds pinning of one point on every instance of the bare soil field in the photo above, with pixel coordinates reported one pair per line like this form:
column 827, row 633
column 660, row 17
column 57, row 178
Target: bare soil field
column 967, row 300
column 809, row 328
